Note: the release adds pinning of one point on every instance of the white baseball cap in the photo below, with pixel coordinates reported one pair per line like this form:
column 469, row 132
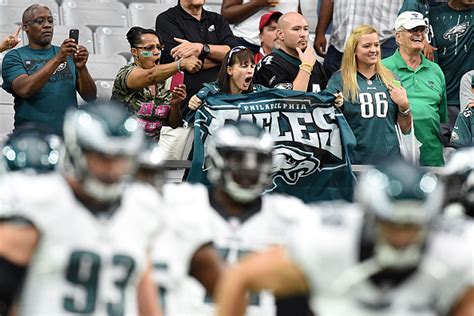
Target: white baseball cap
column 409, row 20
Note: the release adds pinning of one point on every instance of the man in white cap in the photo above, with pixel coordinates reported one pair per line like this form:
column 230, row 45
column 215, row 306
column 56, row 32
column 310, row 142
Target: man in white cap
column 425, row 85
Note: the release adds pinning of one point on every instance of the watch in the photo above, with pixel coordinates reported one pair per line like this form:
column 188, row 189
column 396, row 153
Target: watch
column 205, row 50
column 404, row 113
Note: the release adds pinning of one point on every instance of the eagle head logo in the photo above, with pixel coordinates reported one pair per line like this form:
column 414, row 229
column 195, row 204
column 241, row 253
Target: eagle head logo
column 290, row 164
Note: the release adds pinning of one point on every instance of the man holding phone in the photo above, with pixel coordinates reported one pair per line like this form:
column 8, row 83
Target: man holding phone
column 44, row 78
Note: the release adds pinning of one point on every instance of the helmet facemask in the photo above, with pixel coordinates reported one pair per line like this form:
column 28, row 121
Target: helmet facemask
column 109, row 133
column 244, row 174
column 239, row 157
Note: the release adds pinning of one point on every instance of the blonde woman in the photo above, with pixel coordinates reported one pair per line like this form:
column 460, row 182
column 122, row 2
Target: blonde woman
column 374, row 100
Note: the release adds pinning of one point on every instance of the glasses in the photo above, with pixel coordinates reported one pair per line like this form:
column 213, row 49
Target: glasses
column 42, row 20
column 151, row 48
column 233, row 51
column 421, row 29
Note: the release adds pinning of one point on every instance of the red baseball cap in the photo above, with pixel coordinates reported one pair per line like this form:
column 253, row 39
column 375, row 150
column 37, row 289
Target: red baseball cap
column 264, row 19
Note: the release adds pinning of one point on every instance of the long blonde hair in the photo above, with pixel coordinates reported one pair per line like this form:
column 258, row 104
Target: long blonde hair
column 350, row 88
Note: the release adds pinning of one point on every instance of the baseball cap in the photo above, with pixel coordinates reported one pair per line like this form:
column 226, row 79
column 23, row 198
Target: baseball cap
column 264, row 19
column 409, row 20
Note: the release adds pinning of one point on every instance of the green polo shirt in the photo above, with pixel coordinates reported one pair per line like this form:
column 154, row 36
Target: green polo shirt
column 426, row 90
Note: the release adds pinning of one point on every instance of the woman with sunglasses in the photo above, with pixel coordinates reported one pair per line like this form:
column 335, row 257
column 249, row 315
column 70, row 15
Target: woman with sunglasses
column 141, row 85
column 374, row 102
column 235, row 77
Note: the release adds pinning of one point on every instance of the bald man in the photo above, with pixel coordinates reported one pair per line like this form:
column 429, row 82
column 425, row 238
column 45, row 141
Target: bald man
column 293, row 66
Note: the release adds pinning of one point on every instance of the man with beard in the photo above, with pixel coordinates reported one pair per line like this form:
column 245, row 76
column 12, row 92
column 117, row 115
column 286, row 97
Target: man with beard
column 294, row 65
column 44, row 78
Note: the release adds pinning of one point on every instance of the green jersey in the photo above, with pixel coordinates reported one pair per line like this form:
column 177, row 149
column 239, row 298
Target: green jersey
column 426, row 91
column 463, row 132
column 372, row 119
column 453, row 34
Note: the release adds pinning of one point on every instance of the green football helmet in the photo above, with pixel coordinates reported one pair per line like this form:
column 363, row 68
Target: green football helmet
column 459, row 178
column 151, row 165
column 240, row 160
column 107, row 129
column 30, row 149
column 404, row 197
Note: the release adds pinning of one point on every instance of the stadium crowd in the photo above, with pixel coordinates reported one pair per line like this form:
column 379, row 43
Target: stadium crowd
column 270, row 219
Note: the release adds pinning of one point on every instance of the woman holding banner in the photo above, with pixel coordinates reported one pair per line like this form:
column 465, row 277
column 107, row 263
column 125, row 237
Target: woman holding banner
column 374, row 101
column 235, row 77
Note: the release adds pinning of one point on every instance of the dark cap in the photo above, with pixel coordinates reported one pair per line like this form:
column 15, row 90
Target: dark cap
column 265, row 19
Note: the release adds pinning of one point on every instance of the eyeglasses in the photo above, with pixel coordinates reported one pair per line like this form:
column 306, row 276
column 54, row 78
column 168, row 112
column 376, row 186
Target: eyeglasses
column 421, row 29
column 233, row 51
column 151, row 48
column 41, row 20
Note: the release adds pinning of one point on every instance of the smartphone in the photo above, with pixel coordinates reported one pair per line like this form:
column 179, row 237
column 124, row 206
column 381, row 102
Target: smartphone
column 74, row 33
column 176, row 80
column 397, row 83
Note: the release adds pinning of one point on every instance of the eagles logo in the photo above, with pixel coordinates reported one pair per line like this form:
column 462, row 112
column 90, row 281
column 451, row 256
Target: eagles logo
column 456, row 31
column 291, row 163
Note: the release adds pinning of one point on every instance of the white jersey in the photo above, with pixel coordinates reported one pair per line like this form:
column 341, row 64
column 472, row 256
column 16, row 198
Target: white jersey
column 83, row 263
column 327, row 248
column 233, row 238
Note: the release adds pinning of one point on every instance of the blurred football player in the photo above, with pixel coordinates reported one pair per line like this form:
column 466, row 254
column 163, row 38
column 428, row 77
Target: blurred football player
column 387, row 255
column 459, row 178
column 30, row 149
column 87, row 248
column 184, row 247
column 241, row 219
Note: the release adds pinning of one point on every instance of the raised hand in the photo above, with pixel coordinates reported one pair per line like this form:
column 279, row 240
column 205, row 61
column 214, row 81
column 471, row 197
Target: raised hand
column 81, row 56
column 194, row 103
column 178, row 94
column 186, row 49
column 10, row 41
column 68, row 48
column 308, row 56
column 192, row 64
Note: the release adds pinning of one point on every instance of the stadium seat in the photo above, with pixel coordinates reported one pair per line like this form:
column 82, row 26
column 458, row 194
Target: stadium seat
column 111, row 41
column 11, row 11
column 104, row 91
column 61, row 32
column 144, row 14
column 310, row 12
column 94, row 14
column 105, row 67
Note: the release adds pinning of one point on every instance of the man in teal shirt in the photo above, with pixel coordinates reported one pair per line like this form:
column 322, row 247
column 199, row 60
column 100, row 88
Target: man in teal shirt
column 43, row 78
column 425, row 85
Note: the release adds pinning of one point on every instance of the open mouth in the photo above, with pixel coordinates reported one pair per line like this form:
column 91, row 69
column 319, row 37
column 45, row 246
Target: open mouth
column 247, row 80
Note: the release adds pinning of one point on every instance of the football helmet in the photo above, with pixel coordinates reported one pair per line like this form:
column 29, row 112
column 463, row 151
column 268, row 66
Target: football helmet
column 459, row 179
column 240, row 160
column 405, row 197
column 30, row 149
column 106, row 129
column 151, row 165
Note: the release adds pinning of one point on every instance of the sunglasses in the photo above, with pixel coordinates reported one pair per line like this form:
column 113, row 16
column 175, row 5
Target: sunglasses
column 233, row 51
column 42, row 20
column 151, row 48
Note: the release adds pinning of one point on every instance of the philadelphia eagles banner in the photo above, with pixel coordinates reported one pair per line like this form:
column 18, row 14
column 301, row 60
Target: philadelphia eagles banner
column 310, row 158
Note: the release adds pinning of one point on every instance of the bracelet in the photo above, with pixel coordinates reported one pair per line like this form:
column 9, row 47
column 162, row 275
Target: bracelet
column 178, row 64
column 404, row 113
column 305, row 69
column 308, row 65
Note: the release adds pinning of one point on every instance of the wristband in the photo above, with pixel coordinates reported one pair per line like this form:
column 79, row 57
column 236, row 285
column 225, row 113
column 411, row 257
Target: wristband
column 404, row 113
column 308, row 65
column 305, row 70
column 178, row 64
